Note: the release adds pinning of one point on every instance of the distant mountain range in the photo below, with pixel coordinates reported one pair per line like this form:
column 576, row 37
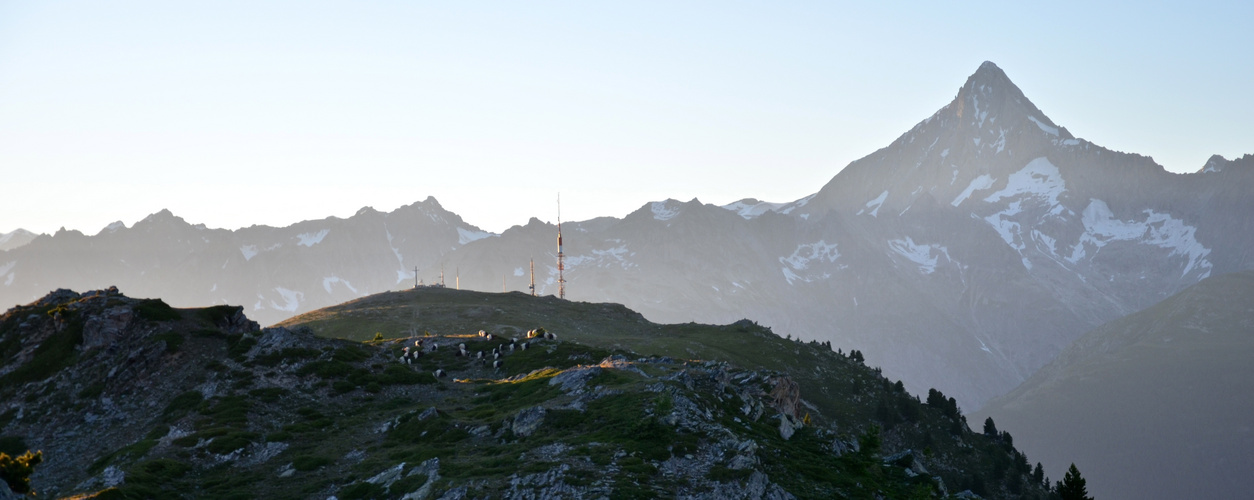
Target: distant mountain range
column 15, row 239
column 965, row 255
column 274, row 272
column 1156, row 404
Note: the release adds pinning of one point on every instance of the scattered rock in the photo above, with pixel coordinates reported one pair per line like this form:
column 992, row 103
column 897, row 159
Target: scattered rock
column 105, row 328
column 574, row 380
column 528, row 420
column 458, row 493
column 389, row 476
column 112, row 476
column 788, row 425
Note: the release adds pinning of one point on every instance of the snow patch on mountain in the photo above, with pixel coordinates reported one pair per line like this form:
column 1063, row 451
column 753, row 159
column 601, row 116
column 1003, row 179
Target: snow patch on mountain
column 465, row 236
column 874, row 205
column 610, row 257
column 311, row 239
column 291, row 300
column 797, row 204
column 924, row 256
column 331, row 280
column 1008, row 228
column 802, row 257
column 662, row 210
column 1039, row 179
column 5, row 271
column 395, row 251
column 1048, row 129
column 249, row 252
column 978, row 184
column 750, row 208
column 114, row 227
column 1161, row 230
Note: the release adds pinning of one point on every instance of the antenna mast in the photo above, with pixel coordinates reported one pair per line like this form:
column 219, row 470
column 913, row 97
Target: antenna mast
column 415, row 276
column 458, row 277
column 441, row 276
column 533, row 278
column 561, row 258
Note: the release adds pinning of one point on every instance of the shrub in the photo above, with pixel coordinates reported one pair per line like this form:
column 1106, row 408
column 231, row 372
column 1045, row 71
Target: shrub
column 156, row 310
column 172, row 340
column 182, row 404
column 16, row 471
column 306, row 463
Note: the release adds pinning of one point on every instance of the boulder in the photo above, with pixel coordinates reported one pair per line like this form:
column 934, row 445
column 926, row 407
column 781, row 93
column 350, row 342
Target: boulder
column 528, row 420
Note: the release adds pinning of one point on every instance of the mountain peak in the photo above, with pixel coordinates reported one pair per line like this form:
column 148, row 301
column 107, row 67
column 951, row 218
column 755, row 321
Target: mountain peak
column 989, row 93
column 987, row 74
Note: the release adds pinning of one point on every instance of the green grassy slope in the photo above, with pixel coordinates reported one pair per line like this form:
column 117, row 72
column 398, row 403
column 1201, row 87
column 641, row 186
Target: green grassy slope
column 129, row 398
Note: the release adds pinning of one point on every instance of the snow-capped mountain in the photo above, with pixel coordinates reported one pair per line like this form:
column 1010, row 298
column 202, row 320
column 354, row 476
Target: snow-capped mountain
column 963, row 256
column 273, row 272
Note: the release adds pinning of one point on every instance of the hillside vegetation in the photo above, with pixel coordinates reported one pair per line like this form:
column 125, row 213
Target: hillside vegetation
column 129, row 398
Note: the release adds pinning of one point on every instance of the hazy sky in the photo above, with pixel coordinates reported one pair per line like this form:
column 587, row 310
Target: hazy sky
column 231, row 114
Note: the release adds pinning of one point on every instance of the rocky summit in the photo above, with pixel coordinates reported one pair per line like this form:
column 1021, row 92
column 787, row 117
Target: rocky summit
column 457, row 394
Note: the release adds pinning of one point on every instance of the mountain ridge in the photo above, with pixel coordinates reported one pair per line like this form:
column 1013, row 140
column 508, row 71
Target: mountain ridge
column 985, row 233
column 1165, row 389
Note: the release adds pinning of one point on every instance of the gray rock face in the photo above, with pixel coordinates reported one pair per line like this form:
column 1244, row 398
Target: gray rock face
column 527, row 421
column 105, row 329
column 575, row 380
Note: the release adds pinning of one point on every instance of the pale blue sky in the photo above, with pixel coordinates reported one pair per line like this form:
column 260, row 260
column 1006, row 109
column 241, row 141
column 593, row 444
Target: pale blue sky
column 231, row 114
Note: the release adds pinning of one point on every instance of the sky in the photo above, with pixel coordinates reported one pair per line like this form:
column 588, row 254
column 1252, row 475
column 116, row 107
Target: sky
column 239, row 113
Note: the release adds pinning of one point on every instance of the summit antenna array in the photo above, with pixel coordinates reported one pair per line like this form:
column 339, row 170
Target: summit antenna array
column 561, row 258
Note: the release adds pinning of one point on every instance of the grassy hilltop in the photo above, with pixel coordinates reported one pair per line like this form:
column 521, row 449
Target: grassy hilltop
column 133, row 399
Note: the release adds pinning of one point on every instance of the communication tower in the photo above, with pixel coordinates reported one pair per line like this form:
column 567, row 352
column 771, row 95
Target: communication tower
column 561, row 258
column 532, row 287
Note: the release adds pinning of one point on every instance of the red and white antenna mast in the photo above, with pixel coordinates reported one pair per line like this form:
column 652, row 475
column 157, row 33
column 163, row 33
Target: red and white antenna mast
column 532, row 287
column 561, row 258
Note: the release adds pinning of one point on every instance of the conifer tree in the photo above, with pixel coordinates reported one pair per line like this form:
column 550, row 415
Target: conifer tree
column 990, row 429
column 1072, row 486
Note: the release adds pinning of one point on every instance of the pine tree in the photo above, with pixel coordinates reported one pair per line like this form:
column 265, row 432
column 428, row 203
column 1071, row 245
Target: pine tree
column 1072, row 486
column 990, row 429
column 1038, row 474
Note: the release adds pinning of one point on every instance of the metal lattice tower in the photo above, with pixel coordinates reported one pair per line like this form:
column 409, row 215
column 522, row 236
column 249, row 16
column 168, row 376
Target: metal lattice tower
column 561, row 258
column 532, row 287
